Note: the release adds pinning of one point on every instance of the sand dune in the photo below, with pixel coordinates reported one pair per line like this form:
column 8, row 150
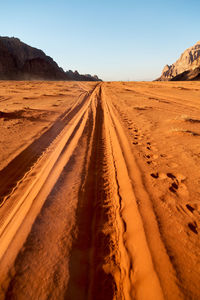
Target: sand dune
column 99, row 194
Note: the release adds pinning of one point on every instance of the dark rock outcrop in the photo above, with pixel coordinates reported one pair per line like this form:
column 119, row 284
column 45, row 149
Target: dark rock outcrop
column 188, row 75
column 76, row 76
column 185, row 68
column 19, row 61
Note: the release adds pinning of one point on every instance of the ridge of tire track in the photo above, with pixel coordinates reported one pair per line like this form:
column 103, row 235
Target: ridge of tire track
column 14, row 171
column 144, row 283
column 48, row 171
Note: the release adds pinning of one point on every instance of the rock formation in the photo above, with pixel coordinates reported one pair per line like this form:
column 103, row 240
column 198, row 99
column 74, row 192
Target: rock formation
column 188, row 65
column 19, row 61
column 76, row 76
column 188, row 75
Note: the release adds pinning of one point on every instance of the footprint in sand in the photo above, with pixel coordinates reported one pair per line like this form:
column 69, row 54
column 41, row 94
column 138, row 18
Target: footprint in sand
column 176, row 186
column 171, row 175
column 155, row 175
column 193, row 226
column 137, row 137
column 190, row 208
column 148, row 157
column 151, row 148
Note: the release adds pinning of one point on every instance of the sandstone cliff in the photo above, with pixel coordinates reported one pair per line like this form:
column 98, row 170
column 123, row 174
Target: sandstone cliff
column 188, row 75
column 188, row 63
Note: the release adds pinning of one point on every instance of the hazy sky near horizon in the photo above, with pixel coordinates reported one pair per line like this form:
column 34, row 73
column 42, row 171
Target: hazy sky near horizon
column 117, row 40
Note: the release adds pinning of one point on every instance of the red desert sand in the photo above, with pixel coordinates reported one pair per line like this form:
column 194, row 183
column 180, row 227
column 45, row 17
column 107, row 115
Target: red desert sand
column 99, row 190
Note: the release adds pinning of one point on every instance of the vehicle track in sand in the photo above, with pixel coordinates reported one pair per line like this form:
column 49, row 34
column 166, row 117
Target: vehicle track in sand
column 36, row 173
column 111, row 249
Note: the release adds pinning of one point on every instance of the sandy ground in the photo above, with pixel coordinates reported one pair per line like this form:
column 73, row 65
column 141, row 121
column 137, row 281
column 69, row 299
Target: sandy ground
column 99, row 190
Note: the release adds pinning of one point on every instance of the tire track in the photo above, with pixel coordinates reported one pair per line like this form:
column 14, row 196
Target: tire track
column 22, row 163
column 88, row 279
column 31, row 193
column 117, row 252
column 143, row 284
column 141, row 237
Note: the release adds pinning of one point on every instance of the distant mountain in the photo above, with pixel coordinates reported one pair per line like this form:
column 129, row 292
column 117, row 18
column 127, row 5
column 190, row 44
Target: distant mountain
column 76, row 76
column 185, row 68
column 19, row 61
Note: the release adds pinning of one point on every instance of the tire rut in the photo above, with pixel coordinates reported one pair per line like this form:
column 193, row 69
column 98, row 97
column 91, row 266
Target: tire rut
column 22, row 163
column 88, row 279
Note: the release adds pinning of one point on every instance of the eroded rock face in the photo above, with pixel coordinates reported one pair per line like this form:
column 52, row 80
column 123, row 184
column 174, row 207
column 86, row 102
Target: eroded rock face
column 19, row 61
column 188, row 75
column 188, row 61
column 76, row 76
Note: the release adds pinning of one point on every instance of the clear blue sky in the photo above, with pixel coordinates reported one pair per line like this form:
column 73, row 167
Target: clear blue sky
column 117, row 40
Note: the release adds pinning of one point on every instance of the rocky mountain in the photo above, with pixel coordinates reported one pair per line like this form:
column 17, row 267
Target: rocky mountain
column 19, row 61
column 76, row 76
column 185, row 68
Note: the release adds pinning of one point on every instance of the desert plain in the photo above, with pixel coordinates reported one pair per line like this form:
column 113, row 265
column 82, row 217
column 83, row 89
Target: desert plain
column 99, row 190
